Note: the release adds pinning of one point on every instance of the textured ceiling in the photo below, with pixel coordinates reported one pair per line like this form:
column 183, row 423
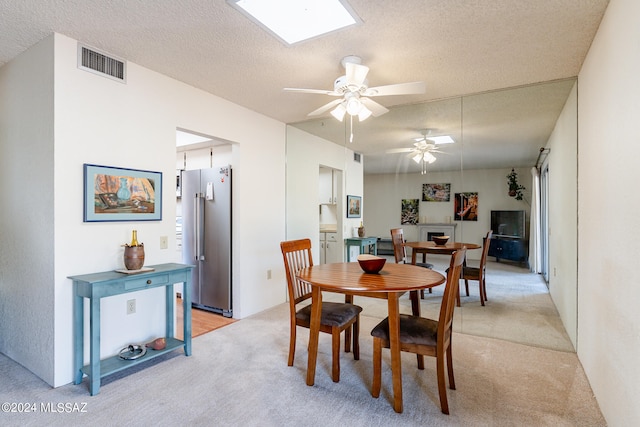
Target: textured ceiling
column 456, row 47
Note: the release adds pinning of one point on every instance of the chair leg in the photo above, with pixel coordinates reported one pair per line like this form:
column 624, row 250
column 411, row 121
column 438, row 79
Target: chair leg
column 422, row 293
column 466, row 286
column 335, row 354
column 347, row 340
column 483, row 297
column 377, row 367
column 458, row 296
column 356, row 338
column 442, row 389
column 292, row 344
column 484, row 288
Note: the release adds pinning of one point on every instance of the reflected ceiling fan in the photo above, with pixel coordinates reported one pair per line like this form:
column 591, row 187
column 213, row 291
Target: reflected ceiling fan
column 424, row 147
column 355, row 93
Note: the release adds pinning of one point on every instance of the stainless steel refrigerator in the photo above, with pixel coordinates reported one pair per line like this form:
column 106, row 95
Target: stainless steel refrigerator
column 206, row 236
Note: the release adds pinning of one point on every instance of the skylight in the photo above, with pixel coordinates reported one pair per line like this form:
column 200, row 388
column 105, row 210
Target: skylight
column 293, row 21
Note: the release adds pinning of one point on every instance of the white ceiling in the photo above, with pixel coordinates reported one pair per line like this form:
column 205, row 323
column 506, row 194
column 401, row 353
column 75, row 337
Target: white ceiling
column 456, row 47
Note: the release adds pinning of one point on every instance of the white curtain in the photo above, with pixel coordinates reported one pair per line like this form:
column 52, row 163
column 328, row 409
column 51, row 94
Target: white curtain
column 535, row 253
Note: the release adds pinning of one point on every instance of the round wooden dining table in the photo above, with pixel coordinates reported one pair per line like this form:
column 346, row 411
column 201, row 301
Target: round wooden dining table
column 390, row 283
column 431, row 248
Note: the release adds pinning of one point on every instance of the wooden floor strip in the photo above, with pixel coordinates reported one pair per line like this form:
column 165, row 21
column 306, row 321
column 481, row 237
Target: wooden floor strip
column 202, row 321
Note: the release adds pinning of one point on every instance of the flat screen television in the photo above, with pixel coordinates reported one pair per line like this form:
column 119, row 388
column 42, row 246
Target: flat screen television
column 508, row 224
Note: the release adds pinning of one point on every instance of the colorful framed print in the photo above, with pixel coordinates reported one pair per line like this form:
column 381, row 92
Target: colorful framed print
column 120, row 194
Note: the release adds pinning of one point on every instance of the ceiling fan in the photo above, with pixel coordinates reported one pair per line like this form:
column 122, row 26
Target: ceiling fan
column 424, row 147
column 354, row 92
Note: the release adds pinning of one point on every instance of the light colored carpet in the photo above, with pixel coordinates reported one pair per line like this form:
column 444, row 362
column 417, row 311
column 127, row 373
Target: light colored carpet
column 238, row 376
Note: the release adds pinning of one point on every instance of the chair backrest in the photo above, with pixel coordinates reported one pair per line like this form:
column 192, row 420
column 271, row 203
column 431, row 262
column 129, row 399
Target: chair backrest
column 296, row 255
column 485, row 248
column 397, row 239
column 449, row 297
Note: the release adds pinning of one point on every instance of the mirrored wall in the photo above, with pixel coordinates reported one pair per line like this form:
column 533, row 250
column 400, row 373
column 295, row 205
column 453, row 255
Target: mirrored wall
column 493, row 133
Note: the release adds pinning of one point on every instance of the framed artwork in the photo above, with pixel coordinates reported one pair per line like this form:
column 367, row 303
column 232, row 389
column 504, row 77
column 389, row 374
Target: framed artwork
column 409, row 213
column 436, row 192
column 354, row 206
column 119, row 194
column 466, row 207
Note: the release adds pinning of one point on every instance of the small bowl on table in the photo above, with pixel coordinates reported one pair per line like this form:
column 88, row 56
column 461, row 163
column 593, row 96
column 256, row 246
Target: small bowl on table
column 440, row 240
column 370, row 263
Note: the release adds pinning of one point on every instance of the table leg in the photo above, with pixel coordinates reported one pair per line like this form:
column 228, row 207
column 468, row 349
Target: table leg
column 186, row 314
column 78, row 335
column 314, row 332
column 94, row 346
column 415, row 310
column 394, row 347
column 414, row 252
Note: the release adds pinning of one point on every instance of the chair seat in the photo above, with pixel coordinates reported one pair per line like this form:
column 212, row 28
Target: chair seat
column 424, row 264
column 470, row 272
column 413, row 330
column 333, row 313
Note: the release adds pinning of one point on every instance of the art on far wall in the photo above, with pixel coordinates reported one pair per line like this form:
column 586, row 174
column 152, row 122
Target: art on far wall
column 409, row 213
column 120, row 194
column 466, row 206
column 436, row 192
column 354, row 206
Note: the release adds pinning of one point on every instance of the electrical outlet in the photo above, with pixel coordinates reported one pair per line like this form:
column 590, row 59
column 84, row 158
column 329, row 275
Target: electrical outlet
column 268, row 274
column 164, row 242
column 131, row 306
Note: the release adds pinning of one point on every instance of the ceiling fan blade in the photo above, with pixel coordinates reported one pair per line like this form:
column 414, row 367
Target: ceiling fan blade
column 396, row 89
column 325, row 107
column 399, row 150
column 317, row 91
column 376, row 109
column 356, row 73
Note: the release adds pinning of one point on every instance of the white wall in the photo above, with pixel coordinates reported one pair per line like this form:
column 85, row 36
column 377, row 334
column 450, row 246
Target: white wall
column 383, row 194
column 305, row 154
column 27, row 210
column 129, row 125
column 608, row 230
column 563, row 215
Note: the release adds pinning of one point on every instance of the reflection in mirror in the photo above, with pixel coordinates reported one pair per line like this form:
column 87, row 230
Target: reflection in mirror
column 494, row 132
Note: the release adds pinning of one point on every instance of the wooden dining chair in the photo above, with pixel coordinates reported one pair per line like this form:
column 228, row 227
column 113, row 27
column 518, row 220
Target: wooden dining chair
column 335, row 318
column 477, row 273
column 400, row 252
column 424, row 336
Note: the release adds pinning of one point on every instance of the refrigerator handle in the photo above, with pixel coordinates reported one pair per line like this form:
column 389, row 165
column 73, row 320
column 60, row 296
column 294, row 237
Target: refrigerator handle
column 200, row 222
column 195, row 229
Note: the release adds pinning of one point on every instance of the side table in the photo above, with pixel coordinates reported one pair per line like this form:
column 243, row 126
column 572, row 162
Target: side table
column 361, row 243
column 96, row 286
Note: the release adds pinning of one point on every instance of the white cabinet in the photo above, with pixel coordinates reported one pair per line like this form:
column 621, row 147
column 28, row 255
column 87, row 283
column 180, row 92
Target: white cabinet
column 330, row 251
column 328, row 190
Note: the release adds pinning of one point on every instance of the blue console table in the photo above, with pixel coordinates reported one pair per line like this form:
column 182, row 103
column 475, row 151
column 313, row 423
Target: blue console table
column 362, row 242
column 96, row 286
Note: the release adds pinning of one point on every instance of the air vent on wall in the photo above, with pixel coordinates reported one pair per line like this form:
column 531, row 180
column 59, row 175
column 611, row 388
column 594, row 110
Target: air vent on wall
column 91, row 60
column 356, row 157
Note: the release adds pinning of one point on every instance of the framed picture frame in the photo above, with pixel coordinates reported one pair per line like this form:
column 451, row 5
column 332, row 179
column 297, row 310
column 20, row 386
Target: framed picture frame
column 354, row 206
column 466, row 206
column 436, row 192
column 121, row 194
column 409, row 212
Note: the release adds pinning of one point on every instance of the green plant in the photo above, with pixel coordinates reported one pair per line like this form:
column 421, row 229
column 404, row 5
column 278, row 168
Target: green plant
column 515, row 189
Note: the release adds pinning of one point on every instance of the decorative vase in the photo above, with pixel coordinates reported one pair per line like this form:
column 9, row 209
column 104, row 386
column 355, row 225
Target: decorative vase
column 134, row 257
column 123, row 192
column 360, row 231
column 512, row 193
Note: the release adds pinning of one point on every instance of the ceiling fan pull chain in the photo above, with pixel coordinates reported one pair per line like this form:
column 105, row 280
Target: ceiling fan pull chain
column 351, row 129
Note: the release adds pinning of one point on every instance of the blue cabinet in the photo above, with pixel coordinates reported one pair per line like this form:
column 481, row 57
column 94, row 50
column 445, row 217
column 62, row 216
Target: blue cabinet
column 509, row 249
